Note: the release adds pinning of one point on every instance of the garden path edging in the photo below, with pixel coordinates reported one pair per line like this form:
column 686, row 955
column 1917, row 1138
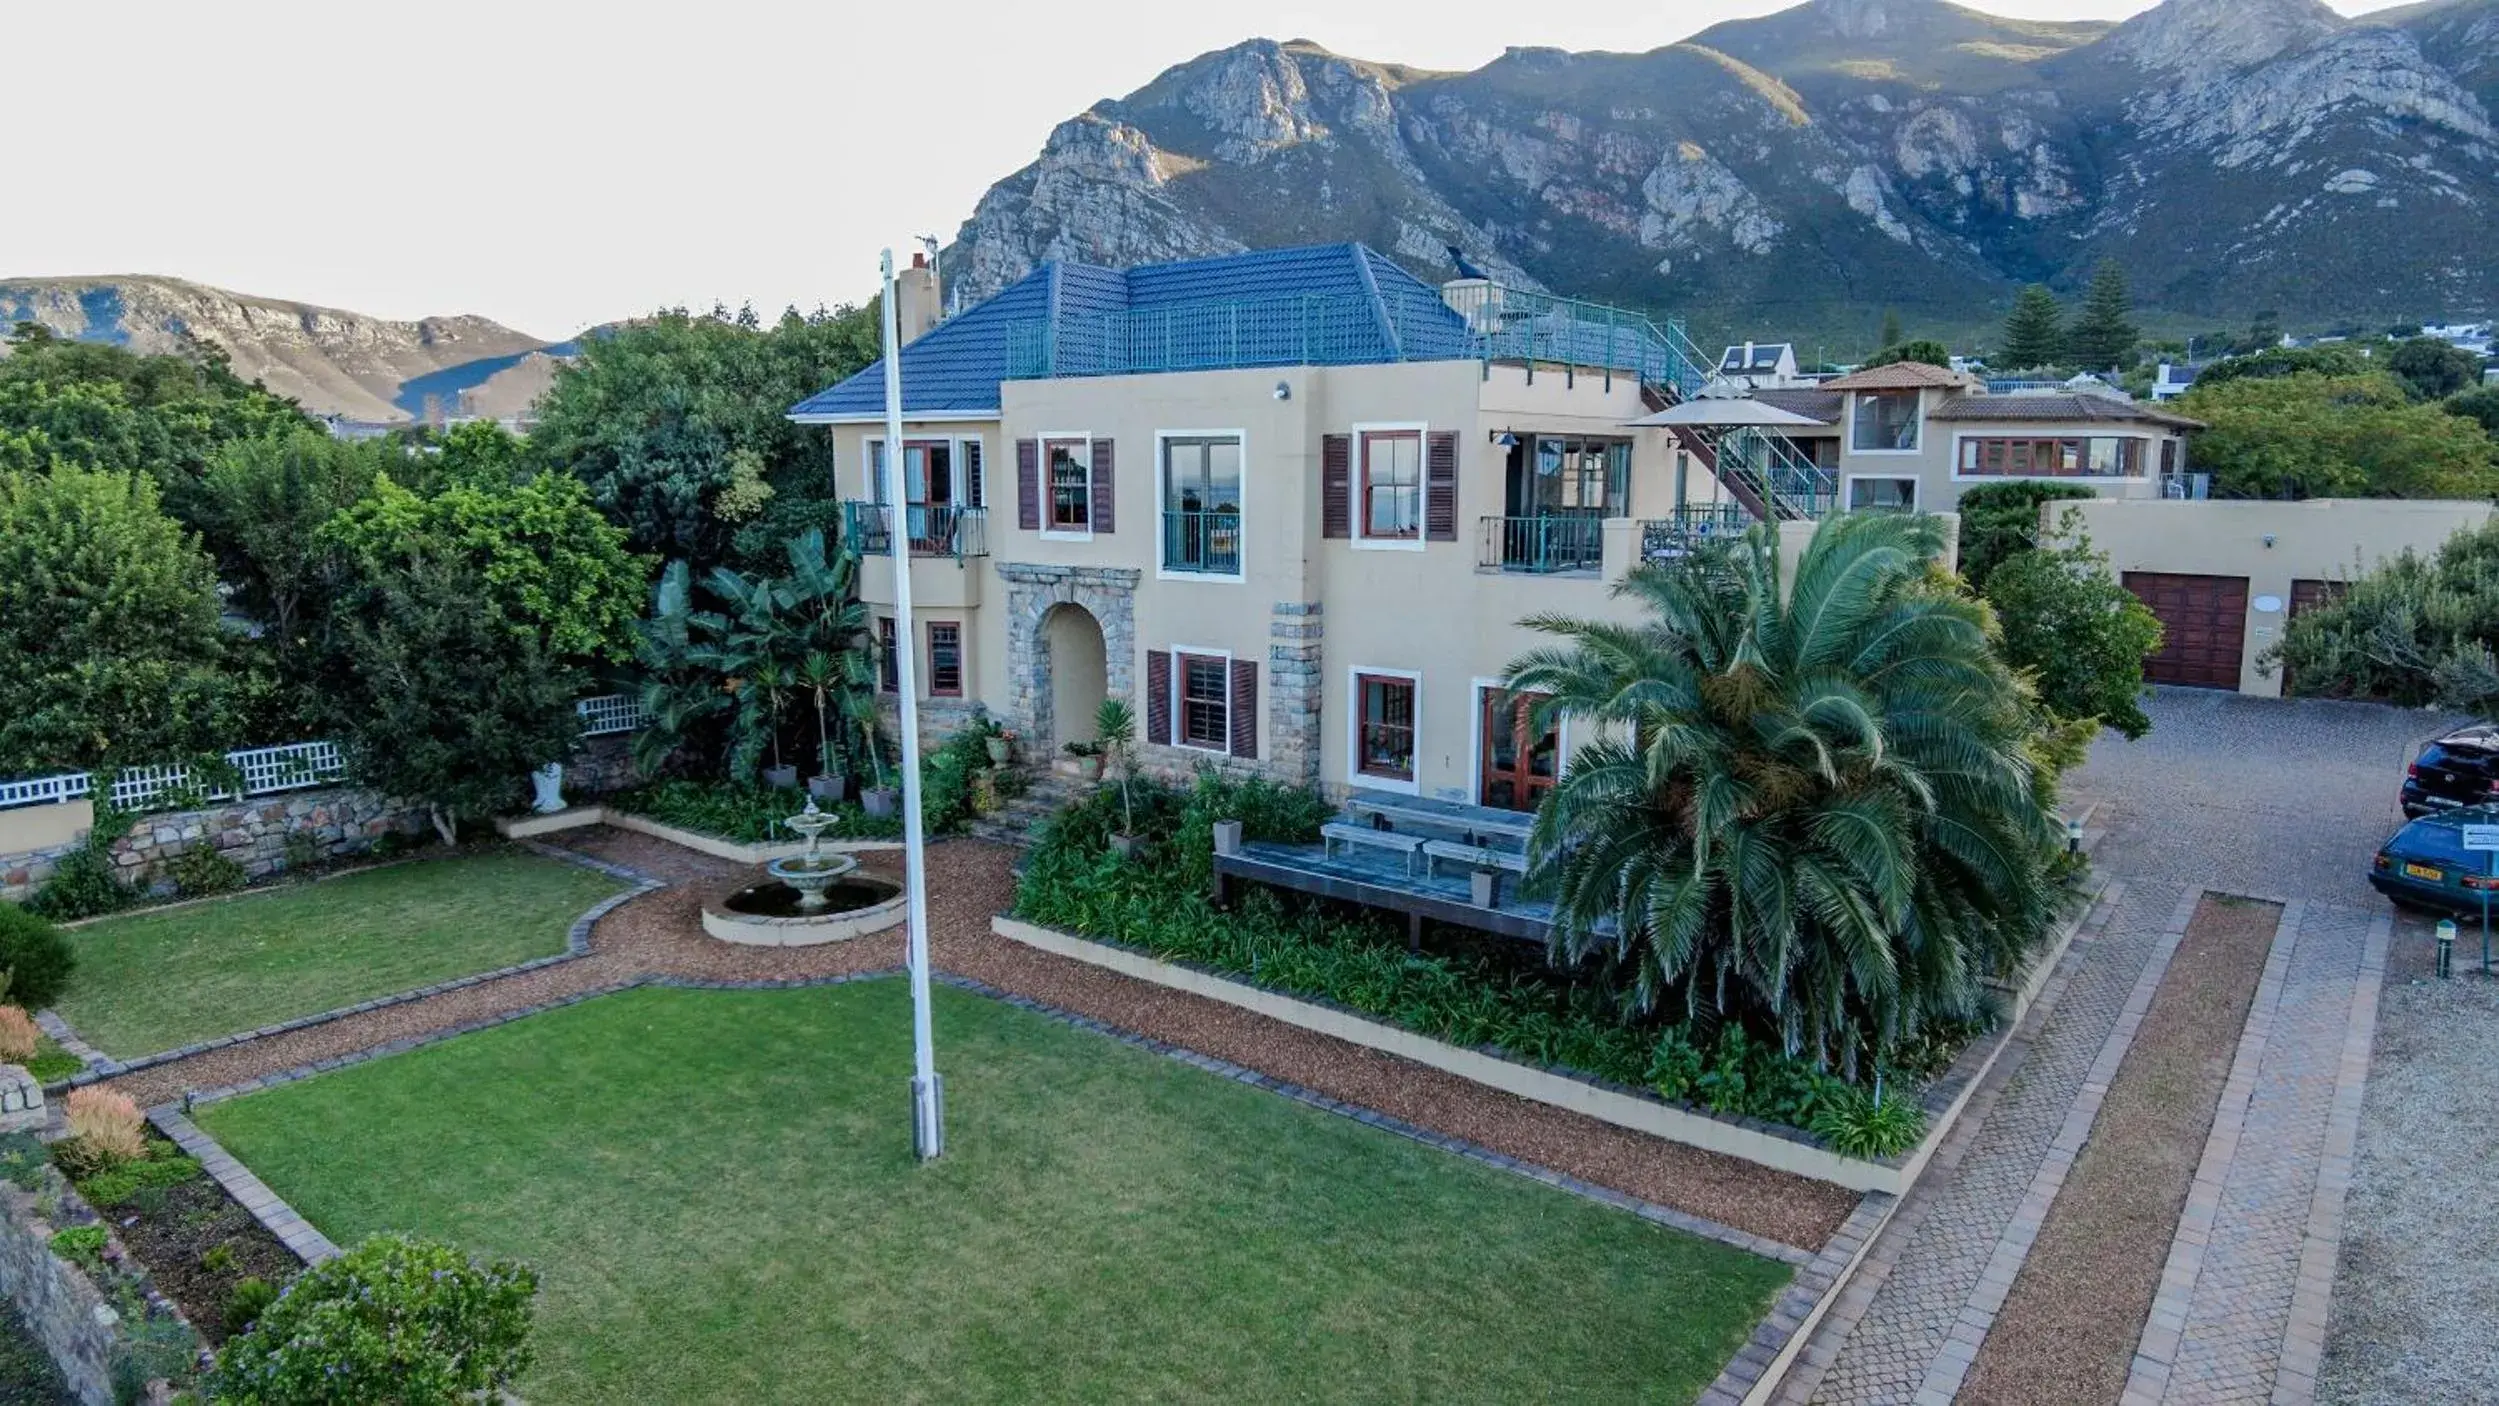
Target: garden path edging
column 527, row 827
column 101, row 1066
column 1763, row 1144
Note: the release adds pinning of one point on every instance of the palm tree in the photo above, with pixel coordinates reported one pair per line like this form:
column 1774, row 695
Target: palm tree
column 1811, row 806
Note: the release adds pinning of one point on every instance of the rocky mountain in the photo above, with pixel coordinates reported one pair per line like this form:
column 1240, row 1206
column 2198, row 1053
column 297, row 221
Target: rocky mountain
column 1795, row 174
column 333, row 362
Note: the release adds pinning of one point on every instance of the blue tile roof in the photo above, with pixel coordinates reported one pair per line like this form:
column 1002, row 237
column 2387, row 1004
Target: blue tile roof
column 1327, row 304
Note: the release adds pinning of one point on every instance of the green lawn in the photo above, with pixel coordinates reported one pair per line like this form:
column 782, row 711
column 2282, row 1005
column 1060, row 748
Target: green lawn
column 719, row 1191
column 156, row 981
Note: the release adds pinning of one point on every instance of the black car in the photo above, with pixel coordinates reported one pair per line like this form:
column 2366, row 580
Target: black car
column 2459, row 769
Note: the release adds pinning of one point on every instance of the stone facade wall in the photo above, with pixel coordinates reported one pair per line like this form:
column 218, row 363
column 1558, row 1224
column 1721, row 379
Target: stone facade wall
column 1108, row 593
column 1294, row 688
column 79, row 1329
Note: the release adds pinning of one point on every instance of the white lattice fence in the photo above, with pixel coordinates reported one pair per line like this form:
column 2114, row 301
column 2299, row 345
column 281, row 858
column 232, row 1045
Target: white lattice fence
column 614, row 712
column 266, row 770
column 45, row 790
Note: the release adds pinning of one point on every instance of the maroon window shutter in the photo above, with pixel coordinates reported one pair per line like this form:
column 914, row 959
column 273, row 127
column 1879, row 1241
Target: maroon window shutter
column 1028, row 484
column 1440, row 487
column 1245, row 708
column 1104, row 496
column 1158, row 697
column 1336, row 485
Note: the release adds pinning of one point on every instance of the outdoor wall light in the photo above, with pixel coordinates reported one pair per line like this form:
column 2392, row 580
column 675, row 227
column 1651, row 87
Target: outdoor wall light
column 1505, row 439
column 1284, row 390
column 2269, row 541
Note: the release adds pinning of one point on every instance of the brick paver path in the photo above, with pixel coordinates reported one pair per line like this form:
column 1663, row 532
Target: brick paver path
column 2241, row 796
column 2241, row 1314
column 1940, row 1251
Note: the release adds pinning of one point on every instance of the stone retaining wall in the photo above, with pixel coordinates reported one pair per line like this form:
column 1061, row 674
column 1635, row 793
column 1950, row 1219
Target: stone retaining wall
column 338, row 821
column 81, row 1330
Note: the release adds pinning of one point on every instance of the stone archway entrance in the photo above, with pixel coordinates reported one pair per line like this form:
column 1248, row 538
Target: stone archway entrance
column 1079, row 676
column 1084, row 617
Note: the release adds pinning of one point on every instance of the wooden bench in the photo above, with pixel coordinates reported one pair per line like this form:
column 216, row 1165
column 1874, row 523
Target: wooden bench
column 1473, row 856
column 1346, row 832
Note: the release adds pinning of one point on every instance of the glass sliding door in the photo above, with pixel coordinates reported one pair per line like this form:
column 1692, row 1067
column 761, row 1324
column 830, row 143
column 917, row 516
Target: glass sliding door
column 1202, row 505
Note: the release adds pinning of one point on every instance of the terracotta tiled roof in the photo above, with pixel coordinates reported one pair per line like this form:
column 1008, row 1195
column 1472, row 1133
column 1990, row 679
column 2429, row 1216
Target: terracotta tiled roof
column 2058, row 409
column 1900, row 376
column 1812, row 402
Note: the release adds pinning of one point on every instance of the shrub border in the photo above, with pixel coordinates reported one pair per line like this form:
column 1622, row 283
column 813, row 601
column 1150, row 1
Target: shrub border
column 101, row 1066
column 1766, row 1144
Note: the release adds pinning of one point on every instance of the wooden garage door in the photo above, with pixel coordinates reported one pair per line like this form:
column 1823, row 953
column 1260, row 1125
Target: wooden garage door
column 2203, row 627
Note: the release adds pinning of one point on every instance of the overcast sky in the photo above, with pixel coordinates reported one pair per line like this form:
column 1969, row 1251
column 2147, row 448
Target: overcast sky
column 558, row 163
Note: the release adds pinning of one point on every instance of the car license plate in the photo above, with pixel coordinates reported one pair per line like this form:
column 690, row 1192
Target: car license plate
column 2423, row 871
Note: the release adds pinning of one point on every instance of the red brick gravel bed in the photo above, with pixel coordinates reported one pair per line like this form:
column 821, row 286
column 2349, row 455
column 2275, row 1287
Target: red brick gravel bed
column 660, row 934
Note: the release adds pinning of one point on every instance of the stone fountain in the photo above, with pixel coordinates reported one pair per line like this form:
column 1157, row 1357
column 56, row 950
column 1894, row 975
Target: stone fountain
column 812, row 871
column 806, row 898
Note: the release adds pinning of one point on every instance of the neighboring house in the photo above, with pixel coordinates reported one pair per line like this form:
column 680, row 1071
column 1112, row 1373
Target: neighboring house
column 1913, row 436
column 2172, row 379
column 1760, row 365
column 1292, row 504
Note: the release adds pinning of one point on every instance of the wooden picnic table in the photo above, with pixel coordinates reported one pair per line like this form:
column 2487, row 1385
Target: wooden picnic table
column 1477, row 823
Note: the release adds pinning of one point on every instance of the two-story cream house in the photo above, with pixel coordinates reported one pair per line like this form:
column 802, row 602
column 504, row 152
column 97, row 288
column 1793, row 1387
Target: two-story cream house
column 1294, row 504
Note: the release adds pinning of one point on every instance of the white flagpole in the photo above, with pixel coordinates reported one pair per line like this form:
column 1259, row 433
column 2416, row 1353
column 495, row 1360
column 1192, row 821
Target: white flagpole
column 928, row 1094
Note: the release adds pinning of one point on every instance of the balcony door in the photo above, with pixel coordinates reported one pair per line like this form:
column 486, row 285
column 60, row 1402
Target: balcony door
column 1202, row 504
column 1519, row 761
column 936, row 484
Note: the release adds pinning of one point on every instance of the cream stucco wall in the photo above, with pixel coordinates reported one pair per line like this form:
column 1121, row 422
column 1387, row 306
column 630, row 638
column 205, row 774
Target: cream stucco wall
column 2271, row 544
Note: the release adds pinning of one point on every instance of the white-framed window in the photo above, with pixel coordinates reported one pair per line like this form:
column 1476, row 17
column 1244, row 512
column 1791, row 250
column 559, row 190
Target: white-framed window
column 1067, row 485
column 1201, row 698
column 1385, row 723
column 1883, row 422
column 1882, row 493
column 1200, row 479
column 1388, row 486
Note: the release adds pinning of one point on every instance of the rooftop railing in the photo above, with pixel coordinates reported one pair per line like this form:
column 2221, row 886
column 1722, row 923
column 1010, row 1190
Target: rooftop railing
column 1482, row 321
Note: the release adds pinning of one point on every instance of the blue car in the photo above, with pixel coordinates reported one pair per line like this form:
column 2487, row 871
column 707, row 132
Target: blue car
column 2427, row 866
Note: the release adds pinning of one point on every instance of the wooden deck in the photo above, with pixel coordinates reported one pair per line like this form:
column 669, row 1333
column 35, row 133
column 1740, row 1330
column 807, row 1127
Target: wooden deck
column 1379, row 879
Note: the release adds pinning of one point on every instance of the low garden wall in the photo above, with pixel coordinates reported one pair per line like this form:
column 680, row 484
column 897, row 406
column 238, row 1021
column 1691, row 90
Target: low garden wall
column 1764, row 1144
column 256, row 832
column 77, row 1325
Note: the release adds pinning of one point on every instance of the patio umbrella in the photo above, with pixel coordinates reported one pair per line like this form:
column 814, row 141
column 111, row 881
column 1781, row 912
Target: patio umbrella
column 1725, row 412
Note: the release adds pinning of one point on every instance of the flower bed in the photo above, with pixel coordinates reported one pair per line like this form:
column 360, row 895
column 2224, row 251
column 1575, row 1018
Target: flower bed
column 749, row 814
column 1492, row 998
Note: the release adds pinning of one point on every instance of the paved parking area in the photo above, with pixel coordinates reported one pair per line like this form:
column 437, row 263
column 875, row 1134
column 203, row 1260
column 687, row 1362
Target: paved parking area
column 2273, row 799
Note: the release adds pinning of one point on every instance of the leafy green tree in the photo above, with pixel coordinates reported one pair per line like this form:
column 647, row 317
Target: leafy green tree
column 2479, row 405
column 2034, row 332
column 263, row 505
column 1892, row 335
column 2263, row 334
column 109, row 623
column 2433, row 370
column 2311, row 436
column 1931, row 352
column 2275, row 362
column 2104, row 332
column 103, row 407
column 438, row 701
column 678, row 425
column 1811, row 806
column 2079, row 634
column 2416, row 631
column 1999, row 520
column 550, row 568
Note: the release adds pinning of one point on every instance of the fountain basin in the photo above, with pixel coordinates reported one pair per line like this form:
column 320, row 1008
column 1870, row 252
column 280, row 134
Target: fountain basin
column 767, row 912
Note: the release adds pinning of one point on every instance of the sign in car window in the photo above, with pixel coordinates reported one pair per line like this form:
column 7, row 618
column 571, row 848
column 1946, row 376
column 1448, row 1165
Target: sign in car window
column 2481, row 837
